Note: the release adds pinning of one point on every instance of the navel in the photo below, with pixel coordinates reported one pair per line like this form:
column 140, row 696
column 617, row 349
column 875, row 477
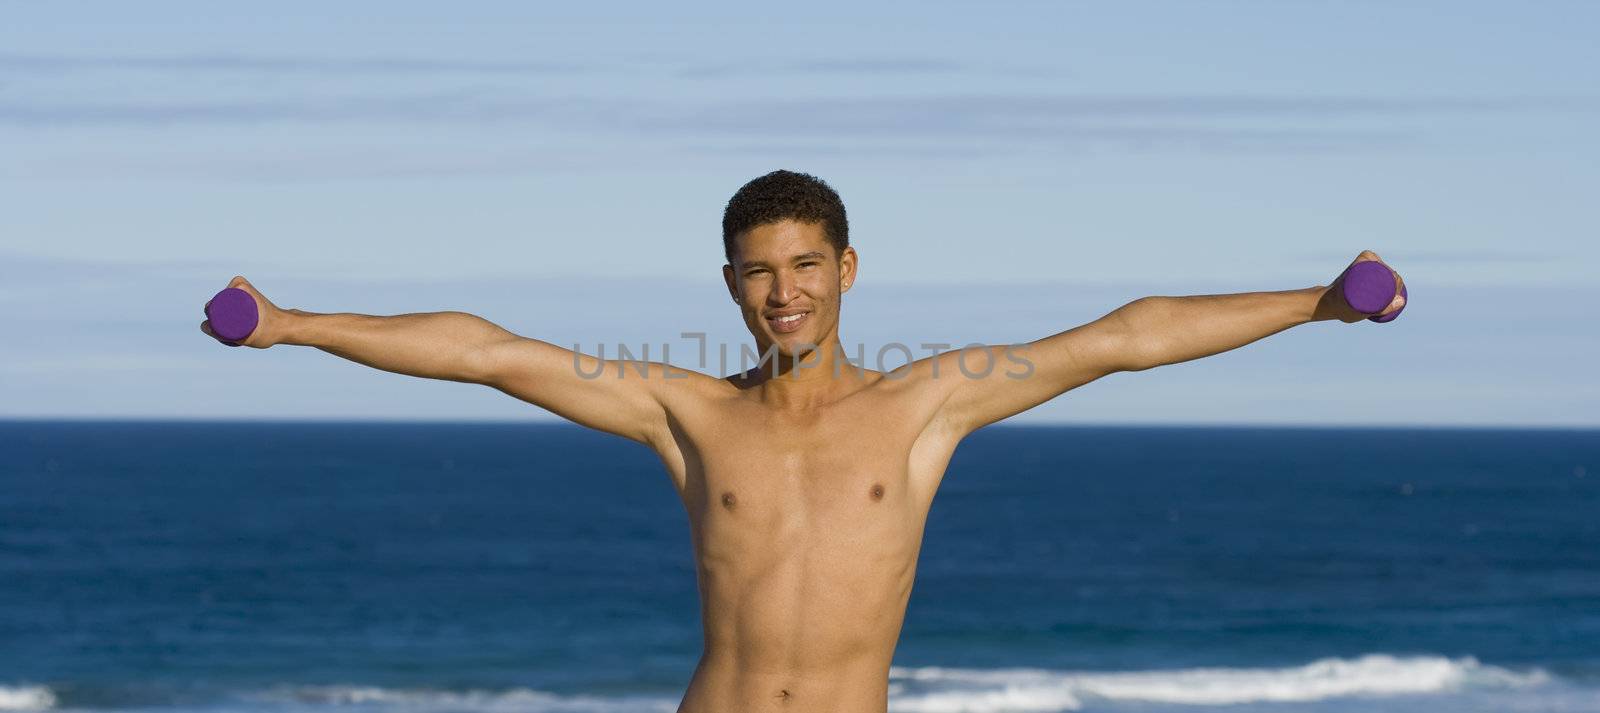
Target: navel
column 728, row 500
column 783, row 695
column 877, row 491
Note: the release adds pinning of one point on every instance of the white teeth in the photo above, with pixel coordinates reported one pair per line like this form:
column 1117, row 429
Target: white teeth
column 790, row 318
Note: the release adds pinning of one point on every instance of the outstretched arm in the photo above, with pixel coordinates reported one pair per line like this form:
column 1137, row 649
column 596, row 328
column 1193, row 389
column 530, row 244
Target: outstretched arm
column 1143, row 334
column 457, row 346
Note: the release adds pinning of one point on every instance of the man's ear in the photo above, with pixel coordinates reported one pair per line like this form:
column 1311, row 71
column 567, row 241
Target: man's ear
column 848, row 261
column 733, row 285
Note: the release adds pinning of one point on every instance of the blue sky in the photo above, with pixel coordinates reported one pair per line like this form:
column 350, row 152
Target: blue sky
column 1011, row 170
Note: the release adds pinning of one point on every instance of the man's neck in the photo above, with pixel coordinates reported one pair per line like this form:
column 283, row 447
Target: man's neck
column 800, row 383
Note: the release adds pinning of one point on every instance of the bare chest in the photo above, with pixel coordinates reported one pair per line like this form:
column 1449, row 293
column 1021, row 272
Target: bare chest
column 786, row 487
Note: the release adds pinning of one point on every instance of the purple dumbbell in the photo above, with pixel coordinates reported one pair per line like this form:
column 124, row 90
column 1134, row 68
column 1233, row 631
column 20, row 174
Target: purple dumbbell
column 233, row 315
column 1369, row 288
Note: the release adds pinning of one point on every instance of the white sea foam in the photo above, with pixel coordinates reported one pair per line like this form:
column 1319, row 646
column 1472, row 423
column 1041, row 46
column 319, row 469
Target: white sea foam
column 520, row 700
column 947, row 690
column 26, row 698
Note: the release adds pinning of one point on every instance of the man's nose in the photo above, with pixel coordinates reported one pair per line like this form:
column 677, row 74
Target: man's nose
column 784, row 288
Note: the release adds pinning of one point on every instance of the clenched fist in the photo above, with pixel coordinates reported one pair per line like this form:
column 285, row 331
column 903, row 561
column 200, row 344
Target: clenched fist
column 270, row 320
column 1333, row 305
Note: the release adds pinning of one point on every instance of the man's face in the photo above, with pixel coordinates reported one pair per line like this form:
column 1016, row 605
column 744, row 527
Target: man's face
column 787, row 280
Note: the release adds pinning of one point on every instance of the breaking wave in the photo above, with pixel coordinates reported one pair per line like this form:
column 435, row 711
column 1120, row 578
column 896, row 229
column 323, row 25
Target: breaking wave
column 948, row 690
column 26, row 698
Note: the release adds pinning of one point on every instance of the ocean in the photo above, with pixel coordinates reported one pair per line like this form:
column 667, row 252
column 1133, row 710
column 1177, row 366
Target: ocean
column 319, row 567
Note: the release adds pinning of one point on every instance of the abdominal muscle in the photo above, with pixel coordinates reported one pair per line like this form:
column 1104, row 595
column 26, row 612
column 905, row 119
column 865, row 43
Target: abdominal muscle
column 789, row 645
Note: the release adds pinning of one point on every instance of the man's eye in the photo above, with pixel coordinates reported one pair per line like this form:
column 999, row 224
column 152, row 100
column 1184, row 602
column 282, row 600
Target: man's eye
column 808, row 264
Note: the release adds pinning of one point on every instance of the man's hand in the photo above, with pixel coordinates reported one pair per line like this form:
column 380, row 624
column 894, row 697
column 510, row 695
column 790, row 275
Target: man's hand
column 271, row 322
column 1332, row 305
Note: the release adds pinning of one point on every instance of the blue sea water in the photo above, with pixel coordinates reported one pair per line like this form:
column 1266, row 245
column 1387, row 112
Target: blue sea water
column 307, row 567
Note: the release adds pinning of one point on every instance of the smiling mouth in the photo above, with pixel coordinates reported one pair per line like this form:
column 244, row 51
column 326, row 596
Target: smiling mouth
column 790, row 323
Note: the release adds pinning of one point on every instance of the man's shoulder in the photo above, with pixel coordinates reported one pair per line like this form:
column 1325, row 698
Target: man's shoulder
column 928, row 375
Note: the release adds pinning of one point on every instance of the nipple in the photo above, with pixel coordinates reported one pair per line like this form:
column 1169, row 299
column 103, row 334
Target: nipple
column 728, row 500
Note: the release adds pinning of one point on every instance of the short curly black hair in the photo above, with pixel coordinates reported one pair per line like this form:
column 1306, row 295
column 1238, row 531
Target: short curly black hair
column 785, row 195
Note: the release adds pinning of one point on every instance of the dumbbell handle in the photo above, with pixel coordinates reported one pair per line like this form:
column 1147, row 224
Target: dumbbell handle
column 1369, row 288
column 233, row 315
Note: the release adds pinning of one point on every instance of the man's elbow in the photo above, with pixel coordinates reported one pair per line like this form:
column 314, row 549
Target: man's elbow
column 1138, row 346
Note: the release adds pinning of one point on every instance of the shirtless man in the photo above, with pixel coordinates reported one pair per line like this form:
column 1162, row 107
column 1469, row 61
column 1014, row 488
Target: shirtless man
column 808, row 479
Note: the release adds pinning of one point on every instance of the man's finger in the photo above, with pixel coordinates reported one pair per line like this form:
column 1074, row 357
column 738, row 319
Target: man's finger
column 1396, row 304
